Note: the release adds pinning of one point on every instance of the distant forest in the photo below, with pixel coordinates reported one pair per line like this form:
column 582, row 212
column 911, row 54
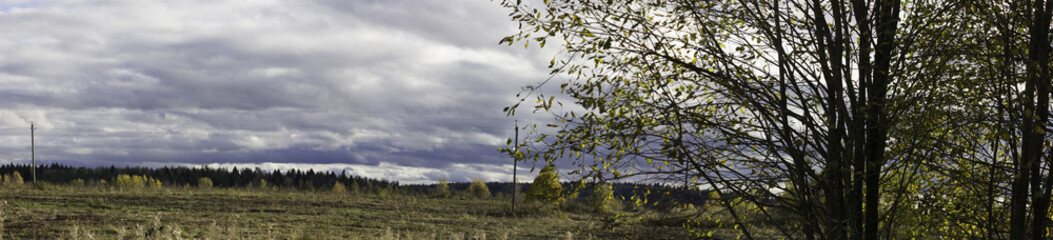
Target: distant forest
column 58, row 174
column 220, row 177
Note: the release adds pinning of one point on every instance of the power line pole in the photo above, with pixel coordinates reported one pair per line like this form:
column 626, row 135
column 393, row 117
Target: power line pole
column 515, row 168
column 33, row 148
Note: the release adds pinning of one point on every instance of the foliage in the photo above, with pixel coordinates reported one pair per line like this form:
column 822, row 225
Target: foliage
column 204, row 183
column 442, row 189
column 13, row 179
column 126, row 181
column 478, row 189
column 221, row 177
column 546, row 187
column 77, row 182
column 835, row 98
column 339, row 188
column 602, row 197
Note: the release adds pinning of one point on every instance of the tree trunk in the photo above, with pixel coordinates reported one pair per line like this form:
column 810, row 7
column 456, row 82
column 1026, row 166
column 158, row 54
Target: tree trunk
column 1038, row 73
column 887, row 21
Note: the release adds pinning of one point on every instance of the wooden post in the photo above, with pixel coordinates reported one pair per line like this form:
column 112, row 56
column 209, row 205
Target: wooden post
column 33, row 149
column 515, row 166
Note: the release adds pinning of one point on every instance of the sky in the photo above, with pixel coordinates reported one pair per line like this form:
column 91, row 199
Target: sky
column 406, row 90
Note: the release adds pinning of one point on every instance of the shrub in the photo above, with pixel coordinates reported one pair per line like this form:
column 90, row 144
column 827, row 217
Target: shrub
column 478, row 189
column 262, row 184
column 15, row 179
column 442, row 189
column 126, row 181
column 602, row 197
column 77, row 182
column 546, row 187
column 354, row 187
column 42, row 185
column 204, row 183
column 339, row 188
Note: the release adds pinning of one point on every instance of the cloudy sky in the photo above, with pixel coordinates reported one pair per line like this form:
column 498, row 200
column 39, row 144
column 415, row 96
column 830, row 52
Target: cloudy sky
column 408, row 90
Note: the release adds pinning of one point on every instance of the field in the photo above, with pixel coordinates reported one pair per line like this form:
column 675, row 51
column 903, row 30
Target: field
column 61, row 212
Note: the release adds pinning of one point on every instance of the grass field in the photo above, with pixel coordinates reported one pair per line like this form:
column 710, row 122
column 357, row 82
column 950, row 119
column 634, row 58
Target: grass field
column 187, row 213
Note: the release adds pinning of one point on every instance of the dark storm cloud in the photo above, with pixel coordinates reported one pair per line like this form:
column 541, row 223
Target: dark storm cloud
column 363, row 85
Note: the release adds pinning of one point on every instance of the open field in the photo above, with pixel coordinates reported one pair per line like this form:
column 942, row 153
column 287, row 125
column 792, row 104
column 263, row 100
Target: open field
column 188, row 213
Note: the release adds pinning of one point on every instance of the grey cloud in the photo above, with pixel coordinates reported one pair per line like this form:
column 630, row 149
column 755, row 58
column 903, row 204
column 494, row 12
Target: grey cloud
column 413, row 84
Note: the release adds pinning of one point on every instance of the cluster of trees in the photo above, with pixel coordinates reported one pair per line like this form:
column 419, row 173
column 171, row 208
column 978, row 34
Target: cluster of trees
column 862, row 119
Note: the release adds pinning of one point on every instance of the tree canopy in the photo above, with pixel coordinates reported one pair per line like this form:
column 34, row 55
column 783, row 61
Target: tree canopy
column 866, row 117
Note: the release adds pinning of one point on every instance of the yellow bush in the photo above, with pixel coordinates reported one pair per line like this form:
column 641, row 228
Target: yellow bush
column 339, row 188
column 126, row 181
column 478, row 189
column 204, row 183
column 13, row 179
column 546, row 187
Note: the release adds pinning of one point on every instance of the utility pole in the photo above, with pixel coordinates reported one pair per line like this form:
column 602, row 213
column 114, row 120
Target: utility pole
column 33, row 149
column 515, row 168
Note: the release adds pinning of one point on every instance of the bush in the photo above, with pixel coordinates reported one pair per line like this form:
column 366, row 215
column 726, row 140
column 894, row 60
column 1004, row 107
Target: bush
column 339, row 188
column 42, row 185
column 355, row 189
column 77, row 182
column 204, row 183
column 126, row 181
column 478, row 189
column 262, row 184
column 546, row 187
column 602, row 198
column 15, row 179
column 442, row 189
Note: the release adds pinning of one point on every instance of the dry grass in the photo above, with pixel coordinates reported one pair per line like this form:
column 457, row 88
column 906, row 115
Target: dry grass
column 176, row 213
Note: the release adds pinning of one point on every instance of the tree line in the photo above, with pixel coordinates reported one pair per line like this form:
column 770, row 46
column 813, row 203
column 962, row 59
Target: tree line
column 205, row 177
column 218, row 177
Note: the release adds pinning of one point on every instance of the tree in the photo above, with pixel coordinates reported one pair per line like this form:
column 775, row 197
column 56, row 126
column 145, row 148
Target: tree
column 1032, row 183
column 744, row 97
column 546, row 187
column 602, row 198
column 14, row 179
column 478, row 189
column 355, row 189
column 339, row 188
column 442, row 189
